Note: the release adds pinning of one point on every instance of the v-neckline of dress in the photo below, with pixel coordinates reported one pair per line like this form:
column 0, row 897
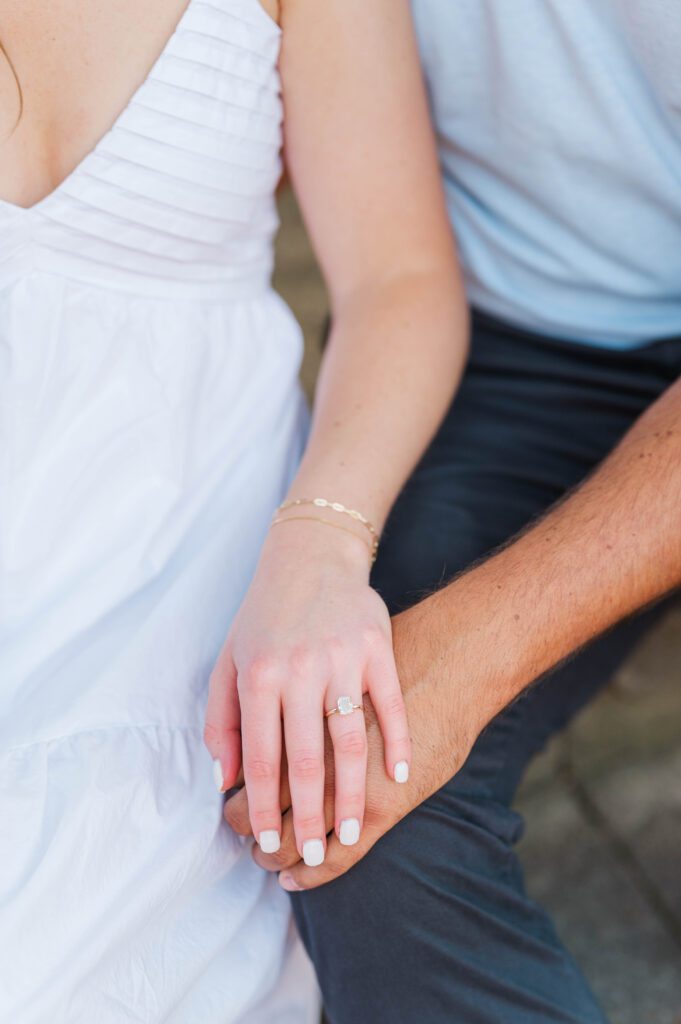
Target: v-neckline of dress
column 92, row 153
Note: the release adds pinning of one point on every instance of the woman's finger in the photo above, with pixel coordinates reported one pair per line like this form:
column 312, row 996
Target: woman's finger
column 384, row 688
column 222, row 729
column 304, row 735
column 348, row 735
column 261, row 742
column 236, row 810
column 288, row 854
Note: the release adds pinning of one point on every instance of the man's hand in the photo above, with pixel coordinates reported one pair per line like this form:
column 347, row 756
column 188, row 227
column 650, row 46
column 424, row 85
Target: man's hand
column 387, row 802
column 436, row 758
column 466, row 652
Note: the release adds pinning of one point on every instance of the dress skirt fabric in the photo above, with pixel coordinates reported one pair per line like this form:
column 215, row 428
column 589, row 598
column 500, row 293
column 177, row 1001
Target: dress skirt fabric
column 150, row 421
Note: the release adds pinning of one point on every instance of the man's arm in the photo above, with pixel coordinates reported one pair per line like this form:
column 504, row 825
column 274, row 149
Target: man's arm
column 610, row 548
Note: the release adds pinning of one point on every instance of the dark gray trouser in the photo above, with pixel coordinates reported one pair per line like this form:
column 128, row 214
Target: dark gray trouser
column 434, row 925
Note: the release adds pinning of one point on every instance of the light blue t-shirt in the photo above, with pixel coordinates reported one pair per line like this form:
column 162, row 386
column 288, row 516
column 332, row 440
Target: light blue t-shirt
column 560, row 139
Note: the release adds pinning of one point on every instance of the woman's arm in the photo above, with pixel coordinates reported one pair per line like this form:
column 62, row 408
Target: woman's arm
column 363, row 162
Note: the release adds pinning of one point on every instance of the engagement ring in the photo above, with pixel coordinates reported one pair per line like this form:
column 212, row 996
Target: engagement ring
column 344, row 706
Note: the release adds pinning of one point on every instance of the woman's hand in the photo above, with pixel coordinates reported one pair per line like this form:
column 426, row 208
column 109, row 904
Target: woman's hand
column 311, row 630
column 449, row 702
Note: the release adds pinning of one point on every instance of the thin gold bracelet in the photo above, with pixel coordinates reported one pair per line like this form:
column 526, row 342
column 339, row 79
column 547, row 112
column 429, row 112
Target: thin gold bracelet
column 372, row 548
column 335, row 506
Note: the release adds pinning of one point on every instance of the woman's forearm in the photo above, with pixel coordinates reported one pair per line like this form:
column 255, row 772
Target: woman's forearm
column 394, row 360
column 363, row 162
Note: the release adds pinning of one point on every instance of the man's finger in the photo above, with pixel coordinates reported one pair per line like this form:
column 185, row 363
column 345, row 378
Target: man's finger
column 237, row 814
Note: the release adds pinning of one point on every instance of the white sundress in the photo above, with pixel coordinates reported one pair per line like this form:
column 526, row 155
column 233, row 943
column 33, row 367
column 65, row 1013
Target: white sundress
column 150, row 419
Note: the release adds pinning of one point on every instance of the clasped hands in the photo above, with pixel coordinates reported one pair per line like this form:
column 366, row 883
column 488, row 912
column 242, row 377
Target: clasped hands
column 301, row 640
column 386, row 803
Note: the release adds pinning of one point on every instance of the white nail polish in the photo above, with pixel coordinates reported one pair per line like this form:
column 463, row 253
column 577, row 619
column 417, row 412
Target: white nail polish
column 401, row 771
column 269, row 841
column 313, row 853
column 218, row 776
column 349, row 831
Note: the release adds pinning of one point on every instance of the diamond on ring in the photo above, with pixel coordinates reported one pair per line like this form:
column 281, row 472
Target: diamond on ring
column 344, row 706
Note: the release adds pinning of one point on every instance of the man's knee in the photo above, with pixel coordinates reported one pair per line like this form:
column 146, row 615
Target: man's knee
column 434, row 924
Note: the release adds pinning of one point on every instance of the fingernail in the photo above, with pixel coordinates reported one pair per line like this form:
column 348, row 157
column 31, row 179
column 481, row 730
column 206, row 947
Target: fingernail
column 269, row 841
column 401, row 771
column 313, row 853
column 218, row 776
column 286, row 882
column 349, row 831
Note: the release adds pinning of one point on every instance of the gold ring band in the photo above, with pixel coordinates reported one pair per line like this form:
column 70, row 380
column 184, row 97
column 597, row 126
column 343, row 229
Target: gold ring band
column 344, row 706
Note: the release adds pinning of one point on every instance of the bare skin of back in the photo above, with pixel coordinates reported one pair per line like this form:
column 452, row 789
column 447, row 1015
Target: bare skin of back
column 78, row 63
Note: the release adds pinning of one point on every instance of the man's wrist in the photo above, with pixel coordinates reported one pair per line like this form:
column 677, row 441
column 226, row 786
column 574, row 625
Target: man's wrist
column 462, row 651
